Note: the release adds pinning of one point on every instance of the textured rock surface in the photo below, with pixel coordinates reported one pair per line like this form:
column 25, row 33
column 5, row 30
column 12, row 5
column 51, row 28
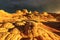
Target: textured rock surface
column 24, row 25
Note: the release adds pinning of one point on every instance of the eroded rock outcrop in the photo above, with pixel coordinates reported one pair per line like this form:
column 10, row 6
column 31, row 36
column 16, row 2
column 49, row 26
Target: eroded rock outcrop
column 24, row 25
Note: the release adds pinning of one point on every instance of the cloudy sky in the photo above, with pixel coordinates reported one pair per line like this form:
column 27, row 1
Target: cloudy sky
column 39, row 5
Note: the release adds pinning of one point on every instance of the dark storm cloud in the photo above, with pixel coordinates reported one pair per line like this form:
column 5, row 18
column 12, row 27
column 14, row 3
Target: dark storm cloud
column 40, row 5
column 34, row 3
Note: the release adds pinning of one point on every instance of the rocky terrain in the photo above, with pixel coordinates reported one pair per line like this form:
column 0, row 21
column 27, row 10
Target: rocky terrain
column 24, row 25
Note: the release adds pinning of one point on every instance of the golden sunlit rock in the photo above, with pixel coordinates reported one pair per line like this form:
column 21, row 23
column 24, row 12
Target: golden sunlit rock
column 24, row 25
column 45, row 13
column 8, row 25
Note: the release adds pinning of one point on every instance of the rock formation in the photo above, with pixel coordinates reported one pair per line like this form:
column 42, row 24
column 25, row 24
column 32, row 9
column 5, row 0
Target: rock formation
column 24, row 25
